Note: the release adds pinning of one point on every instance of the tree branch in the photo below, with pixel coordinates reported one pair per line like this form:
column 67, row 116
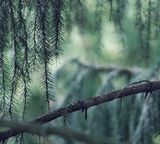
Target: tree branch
column 134, row 88
column 108, row 68
column 50, row 130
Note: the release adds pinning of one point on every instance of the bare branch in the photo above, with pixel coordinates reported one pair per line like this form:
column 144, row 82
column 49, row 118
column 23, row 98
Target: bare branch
column 135, row 88
column 50, row 130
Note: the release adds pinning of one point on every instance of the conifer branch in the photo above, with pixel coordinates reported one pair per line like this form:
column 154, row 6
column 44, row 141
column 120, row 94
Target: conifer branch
column 57, row 33
column 33, row 41
column 4, row 60
column 2, row 52
column 135, row 88
column 2, row 73
column 45, row 64
column 15, row 58
column 25, row 68
column 45, row 51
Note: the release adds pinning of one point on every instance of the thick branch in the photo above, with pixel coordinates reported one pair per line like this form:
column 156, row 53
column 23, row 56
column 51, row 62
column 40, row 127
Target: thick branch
column 135, row 88
column 46, row 131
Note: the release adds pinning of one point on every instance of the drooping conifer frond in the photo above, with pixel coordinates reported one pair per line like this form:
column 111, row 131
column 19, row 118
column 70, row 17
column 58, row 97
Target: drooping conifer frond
column 33, row 36
column 4, row 70
column 45, row 49
column 57, row 32
column 23, row 37
column 2, row 41
column 16, row 54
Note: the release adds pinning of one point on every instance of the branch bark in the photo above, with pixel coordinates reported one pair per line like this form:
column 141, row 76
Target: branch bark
column 50, row 130
column 134, row 88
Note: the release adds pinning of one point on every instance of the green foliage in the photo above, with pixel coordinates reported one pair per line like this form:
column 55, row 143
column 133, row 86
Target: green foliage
column 35, row 33
column 135, row 121
column 26, row 35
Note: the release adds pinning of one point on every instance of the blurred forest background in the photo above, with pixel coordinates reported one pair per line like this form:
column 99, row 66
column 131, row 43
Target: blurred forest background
column 56, row 52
